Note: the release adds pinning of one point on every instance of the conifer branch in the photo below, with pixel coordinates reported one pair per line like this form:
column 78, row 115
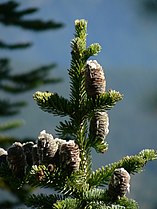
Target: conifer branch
column 43, row 201
column 104, row 101
column 133, row 164
column 66, row 130
column 8, row 108
column 101, row 205
column 10, row 15
column 95, row 195
column 11, row 125
column 53, row 103
column 26, row 81
column 40, row 176
column 93, row 49
column 71, row 203
column 128, row 203
column 4, row 45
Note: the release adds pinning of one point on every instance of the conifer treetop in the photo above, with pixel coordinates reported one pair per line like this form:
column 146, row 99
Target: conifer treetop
column 65, row 163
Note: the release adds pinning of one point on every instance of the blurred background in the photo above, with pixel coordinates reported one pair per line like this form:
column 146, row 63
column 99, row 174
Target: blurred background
column 127, row 32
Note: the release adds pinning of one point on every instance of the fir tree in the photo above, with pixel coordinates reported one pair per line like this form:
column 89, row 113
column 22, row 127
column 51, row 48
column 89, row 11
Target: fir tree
column 64, row 163
column 10, row 83
column 18, row 83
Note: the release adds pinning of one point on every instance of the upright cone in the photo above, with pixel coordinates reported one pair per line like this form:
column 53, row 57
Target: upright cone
column 99, row 125
column 3, row 156
column 17, row 160
column 119, row 184
column 70, row 156
column 47, row 148
column 27, row 147
column 95, row 82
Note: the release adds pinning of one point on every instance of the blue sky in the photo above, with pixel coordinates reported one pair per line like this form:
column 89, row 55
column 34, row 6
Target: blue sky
column 127, row 37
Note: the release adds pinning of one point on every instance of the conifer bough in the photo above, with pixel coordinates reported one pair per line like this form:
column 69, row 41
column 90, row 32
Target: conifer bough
column 65, row 163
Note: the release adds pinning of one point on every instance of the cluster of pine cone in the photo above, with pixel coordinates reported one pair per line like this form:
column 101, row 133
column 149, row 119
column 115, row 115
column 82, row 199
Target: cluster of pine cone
column 48, row 151
column 95, row 84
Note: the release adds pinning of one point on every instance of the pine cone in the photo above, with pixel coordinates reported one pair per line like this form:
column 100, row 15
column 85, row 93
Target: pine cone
column 99, row 125
column 119, row 184
column 35, row 155
column 95, row 82
column 3, row 156
column 27, row 147
column 17, row 160
column 70, row 156
column 47, row 148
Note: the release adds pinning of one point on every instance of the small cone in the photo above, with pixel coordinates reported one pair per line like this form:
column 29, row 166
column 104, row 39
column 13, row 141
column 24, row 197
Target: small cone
column 35, row 155
column 99, row 126
column 17, row 160
column 27, row 147
column 95, row 82
column 3, row 156
column 119, row 184
column 70, row 156
column 47, row 148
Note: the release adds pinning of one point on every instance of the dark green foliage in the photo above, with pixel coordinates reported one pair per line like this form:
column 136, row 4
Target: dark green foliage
column 67, row 203
column 150, row 7
column 14, row 46
column 53, row 103
column 25, row 81
column 11, row 15
column 43, row 201
column 10, row 125
column 128, row 203
column 14, row 185
column 11, row 83
column 7, row 108
column 66, row 129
